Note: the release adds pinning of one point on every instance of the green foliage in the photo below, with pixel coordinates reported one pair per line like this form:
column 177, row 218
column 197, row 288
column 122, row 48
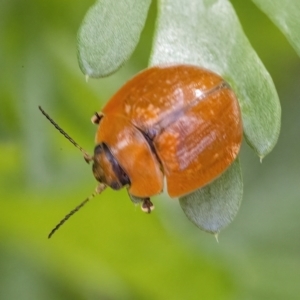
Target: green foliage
column 214, row 207
column 109, row 34
column 285, row 14
column 110, row 250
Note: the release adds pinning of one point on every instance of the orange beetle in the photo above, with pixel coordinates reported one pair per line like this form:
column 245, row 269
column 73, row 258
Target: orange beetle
column 181, row 122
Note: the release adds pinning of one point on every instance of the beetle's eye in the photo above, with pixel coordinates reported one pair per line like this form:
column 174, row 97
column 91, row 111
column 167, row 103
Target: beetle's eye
column 98, row 150
column 97, row 167
column 106, row 168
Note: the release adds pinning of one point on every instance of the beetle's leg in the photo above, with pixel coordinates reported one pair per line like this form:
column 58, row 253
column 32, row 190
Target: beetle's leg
column 147, row 206
column 96, row 118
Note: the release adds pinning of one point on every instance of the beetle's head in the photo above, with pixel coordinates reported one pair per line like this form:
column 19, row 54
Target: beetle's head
column 106, row 168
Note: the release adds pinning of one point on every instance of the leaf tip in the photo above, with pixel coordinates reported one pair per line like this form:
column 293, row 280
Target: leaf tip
column 217, row 237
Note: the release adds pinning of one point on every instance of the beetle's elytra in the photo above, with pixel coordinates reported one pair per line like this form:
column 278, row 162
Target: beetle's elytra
column 178, row 122
column 182, row 122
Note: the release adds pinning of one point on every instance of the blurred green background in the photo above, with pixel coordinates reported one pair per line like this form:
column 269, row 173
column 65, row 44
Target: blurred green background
column 111, row 250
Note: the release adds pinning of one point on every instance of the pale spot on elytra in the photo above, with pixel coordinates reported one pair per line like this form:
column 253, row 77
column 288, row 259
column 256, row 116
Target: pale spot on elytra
column 216, row 156
column 127, row 108
column 150, row 107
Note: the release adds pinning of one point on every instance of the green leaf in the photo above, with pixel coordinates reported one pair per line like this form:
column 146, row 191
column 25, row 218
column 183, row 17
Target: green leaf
column 286, row 15
column 208, row 33
column 214, row 206
column 109, row 34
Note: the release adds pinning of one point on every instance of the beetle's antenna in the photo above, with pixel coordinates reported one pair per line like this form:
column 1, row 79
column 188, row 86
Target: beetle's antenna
column 101, row 187
column 86, row 156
